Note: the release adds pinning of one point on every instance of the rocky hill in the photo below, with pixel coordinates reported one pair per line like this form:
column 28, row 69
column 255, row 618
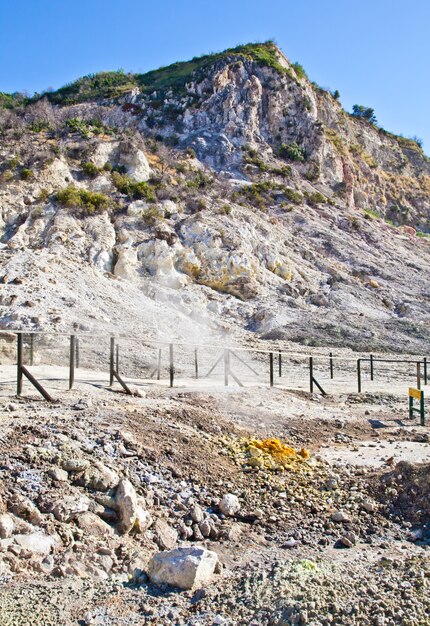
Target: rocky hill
column 226, row 194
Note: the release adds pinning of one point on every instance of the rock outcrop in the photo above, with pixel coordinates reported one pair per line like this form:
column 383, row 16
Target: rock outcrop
column 237, row 197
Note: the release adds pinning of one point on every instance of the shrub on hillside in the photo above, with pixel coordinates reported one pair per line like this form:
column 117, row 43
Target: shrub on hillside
column 26, row 174
column 89, row 202
column 90, row 169
column 292, row 151
column 134, row 190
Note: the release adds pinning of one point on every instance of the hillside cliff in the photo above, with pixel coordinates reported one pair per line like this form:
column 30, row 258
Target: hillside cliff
column 228, row 193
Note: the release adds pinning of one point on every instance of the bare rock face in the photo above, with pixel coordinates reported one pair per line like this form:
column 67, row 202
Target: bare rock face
column 136, row 164
column 185, row 568
column 248, row 189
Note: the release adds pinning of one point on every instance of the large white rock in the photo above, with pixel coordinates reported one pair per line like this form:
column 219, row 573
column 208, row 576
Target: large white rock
column 229, row 504
column 126, row 264
column 38, row 543
column 136, row 165
column 127, row 505
column 184, row 567
column 6, row 526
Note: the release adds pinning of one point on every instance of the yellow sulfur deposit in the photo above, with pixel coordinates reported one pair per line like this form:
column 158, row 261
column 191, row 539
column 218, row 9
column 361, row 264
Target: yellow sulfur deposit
column 272, row 454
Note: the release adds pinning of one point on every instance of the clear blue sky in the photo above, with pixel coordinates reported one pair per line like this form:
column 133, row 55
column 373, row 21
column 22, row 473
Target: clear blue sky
column 376, row 52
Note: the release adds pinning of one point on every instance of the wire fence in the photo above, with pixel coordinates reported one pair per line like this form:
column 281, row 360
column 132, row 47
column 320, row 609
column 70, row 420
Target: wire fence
column 54, row 361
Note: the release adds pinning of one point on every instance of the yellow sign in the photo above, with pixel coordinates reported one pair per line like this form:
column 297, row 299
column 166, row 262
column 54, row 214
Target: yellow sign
column 415, row 393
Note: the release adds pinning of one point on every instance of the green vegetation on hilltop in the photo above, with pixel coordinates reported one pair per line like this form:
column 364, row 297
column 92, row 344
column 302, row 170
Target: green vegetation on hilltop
column 172, row 77
column 12, row 100
column 93, row 87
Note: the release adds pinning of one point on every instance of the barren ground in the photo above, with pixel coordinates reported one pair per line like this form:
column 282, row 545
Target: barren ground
column 283, row 559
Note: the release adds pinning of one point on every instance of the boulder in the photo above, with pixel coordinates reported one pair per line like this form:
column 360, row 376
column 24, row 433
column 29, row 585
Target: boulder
column 97, row 477
column 7, row 526
column 184, row 567
column 38, row 543
column 143, row 517
column 91, row 524
column 340, row 516
column 165, row 536
column 229, row 505
column 127, row 505
column 135, row 163
column 58, row 475
column 196, row 514
column 26, row 509
column 69, row 507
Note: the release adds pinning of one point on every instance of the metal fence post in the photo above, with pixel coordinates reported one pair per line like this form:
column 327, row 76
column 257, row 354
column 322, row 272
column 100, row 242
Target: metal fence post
column 159, row 364
column 19, row 365
column 311, row 374
column 271, row 368
column 280, row 364
column 359, row 375
column 172, row 367
column 196, row 363
column 226, row 366
column 111, row 360
column 418, row 375
column 31, row 348
column 425, row 370
column 371, row 367
column 331, row 365
column 117, row 357
column 72, row 361
column 77, row 352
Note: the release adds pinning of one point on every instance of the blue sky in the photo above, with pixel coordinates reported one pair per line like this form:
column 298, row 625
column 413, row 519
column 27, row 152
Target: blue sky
column 376, row 53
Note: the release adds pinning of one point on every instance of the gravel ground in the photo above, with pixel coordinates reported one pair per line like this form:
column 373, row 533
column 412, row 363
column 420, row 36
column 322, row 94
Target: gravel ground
column 324, row 540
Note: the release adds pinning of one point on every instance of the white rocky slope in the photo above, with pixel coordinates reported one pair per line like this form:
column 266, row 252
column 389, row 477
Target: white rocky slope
column 224, row 235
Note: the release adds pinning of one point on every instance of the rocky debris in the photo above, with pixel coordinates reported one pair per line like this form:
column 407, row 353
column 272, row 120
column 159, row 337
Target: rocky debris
column 58, row 474
column 229, row 505
column 97, row 477
column 185, row 568
column 340, row 516
column 348, row 540
column 173, row 472
column 165, row 536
